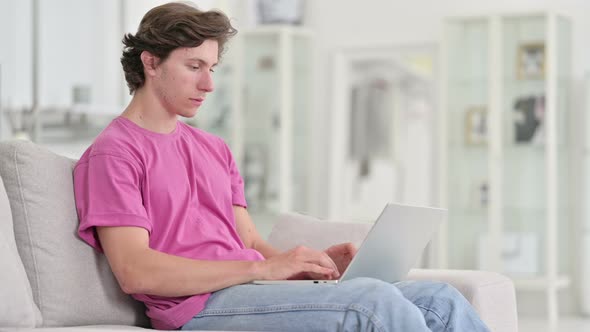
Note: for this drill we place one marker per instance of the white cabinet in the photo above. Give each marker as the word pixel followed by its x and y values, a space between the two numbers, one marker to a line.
pixel 506 153
pixel 275 129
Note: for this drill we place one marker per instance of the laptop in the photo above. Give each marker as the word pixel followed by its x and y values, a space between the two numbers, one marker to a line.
pixel 391 248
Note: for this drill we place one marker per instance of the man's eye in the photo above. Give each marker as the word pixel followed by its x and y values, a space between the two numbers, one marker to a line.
pixel 193 67
pixel 212 70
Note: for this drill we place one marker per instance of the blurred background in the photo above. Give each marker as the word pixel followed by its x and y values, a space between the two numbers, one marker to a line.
pixel 333 108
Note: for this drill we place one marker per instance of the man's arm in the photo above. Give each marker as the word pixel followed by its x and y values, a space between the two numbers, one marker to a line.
pixel 250 235
pixel 142 270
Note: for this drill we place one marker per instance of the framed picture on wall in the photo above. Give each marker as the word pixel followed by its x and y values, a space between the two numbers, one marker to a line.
pixel 476 126
pixel 530 63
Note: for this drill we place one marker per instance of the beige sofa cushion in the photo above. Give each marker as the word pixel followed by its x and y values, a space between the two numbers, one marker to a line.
pixel 292 229
pixel 16 307
pixel 71 283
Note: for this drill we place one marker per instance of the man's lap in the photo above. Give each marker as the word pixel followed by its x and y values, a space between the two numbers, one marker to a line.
pixel 306 306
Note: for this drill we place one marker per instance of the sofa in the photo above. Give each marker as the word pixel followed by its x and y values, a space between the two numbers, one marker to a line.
pixel 52 281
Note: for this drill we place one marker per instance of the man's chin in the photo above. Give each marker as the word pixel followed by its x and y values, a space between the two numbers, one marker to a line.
pixel 189 114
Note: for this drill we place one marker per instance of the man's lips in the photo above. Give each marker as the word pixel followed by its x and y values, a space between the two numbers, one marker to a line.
pixel 197 101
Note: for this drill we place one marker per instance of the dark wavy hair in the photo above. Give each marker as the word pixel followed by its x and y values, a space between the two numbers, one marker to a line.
pixel 167 27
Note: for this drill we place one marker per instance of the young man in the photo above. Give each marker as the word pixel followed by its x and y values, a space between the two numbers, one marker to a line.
pixel 165 203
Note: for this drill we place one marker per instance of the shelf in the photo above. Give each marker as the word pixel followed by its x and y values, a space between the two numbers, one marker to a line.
pixel 540 283
pixel 468 211
pixel 469 81
pixel 508 148
pixel 469 147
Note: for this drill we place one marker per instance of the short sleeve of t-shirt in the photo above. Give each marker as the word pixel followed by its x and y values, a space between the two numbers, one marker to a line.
pixel 108 193
pixel 237 183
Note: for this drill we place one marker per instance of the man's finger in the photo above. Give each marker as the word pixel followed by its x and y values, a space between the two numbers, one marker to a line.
pixel 317 269
pixel 321 258
pixel 328 260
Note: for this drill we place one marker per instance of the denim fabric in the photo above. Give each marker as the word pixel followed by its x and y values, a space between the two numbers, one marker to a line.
pixel 361 304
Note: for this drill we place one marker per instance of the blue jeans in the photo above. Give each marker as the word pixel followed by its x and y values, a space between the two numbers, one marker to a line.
pixel 361 304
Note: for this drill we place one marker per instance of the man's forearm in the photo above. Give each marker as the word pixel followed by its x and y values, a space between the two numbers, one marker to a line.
pixel 265 249
pixel 157 273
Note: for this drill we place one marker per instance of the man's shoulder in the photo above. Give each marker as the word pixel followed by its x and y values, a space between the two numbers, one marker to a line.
pixel 114 140
pixel 204 137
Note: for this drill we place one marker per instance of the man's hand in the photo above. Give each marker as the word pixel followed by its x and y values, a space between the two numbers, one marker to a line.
pixel 300 263
pixel 342 254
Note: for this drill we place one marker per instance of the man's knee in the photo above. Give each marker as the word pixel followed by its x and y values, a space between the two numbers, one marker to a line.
pixel 431 293
pixel 379 296
pixel 384 306
pixel 444 291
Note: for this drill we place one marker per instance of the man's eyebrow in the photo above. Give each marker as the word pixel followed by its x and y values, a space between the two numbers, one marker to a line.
pixel 203 61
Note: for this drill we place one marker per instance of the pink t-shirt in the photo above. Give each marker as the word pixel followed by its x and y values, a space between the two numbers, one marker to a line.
pixel 180 187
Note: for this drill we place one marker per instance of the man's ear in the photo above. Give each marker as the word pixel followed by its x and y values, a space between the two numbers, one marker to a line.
pixel 150 62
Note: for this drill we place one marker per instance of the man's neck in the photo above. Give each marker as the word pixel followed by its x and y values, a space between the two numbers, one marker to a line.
pixel 146 111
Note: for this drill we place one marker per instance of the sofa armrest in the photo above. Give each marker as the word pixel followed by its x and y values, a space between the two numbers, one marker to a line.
pixel 491 294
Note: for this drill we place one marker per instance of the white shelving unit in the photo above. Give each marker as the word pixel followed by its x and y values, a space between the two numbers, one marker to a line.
pixel 505 98
pixel 274 74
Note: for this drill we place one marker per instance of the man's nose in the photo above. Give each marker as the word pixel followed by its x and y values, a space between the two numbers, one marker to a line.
pixel 206 82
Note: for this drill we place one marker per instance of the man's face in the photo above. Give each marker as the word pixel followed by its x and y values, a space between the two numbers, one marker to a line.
pixel 183 80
